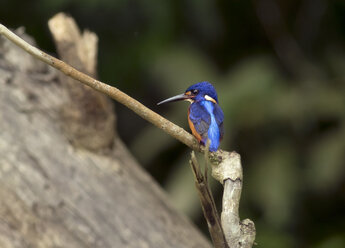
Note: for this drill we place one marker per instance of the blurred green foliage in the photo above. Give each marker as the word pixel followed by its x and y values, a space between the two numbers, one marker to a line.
pixel 279 68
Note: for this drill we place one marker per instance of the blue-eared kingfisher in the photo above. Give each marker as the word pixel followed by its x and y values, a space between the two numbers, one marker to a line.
pixel 205 117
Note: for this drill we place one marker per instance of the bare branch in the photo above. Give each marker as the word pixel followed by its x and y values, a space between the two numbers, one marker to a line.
pixel 157 120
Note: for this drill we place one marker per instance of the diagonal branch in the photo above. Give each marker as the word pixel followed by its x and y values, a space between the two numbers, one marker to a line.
pixel 146 113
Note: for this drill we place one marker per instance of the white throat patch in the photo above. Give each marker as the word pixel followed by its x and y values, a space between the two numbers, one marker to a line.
pixel 208 98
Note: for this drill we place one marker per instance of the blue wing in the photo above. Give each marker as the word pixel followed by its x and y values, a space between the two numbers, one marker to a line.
pixel 200 118
pixel 219 116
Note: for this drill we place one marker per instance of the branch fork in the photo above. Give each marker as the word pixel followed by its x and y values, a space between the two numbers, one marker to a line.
pixel 227 169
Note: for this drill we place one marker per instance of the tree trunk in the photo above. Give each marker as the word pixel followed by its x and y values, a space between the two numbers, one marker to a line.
pixel 54 194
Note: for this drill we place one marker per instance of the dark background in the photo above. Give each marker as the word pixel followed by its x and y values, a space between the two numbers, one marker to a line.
pixel 279 69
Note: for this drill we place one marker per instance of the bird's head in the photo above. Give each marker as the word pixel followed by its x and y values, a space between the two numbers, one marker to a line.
pixel 203 91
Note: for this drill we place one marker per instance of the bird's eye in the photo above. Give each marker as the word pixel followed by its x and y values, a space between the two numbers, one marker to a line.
pixel 195 92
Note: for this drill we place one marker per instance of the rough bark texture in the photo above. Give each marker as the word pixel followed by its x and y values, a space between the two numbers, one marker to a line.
pixel 53 194
pixel 88 117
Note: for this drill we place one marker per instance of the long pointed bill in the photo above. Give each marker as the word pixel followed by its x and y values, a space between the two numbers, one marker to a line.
pixel 175 99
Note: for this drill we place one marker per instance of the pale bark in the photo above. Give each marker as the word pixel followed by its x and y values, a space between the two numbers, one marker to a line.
pixel 238 234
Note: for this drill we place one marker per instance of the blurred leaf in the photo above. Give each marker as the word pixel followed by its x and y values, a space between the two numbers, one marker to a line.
pixel 274 182
pixel 181 67
pixel 248 90
pixel 336 241
pixel 326 161
pixel 272 238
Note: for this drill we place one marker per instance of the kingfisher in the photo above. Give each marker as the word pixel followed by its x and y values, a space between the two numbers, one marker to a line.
pixel 205 117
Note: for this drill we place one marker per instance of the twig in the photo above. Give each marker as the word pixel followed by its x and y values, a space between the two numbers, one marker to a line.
pixel 157 120
pixel 207 203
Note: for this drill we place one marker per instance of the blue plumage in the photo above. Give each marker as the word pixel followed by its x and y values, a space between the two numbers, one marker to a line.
pixel 205 117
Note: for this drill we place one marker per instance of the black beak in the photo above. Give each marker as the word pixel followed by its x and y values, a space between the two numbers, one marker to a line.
pixel 176 98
